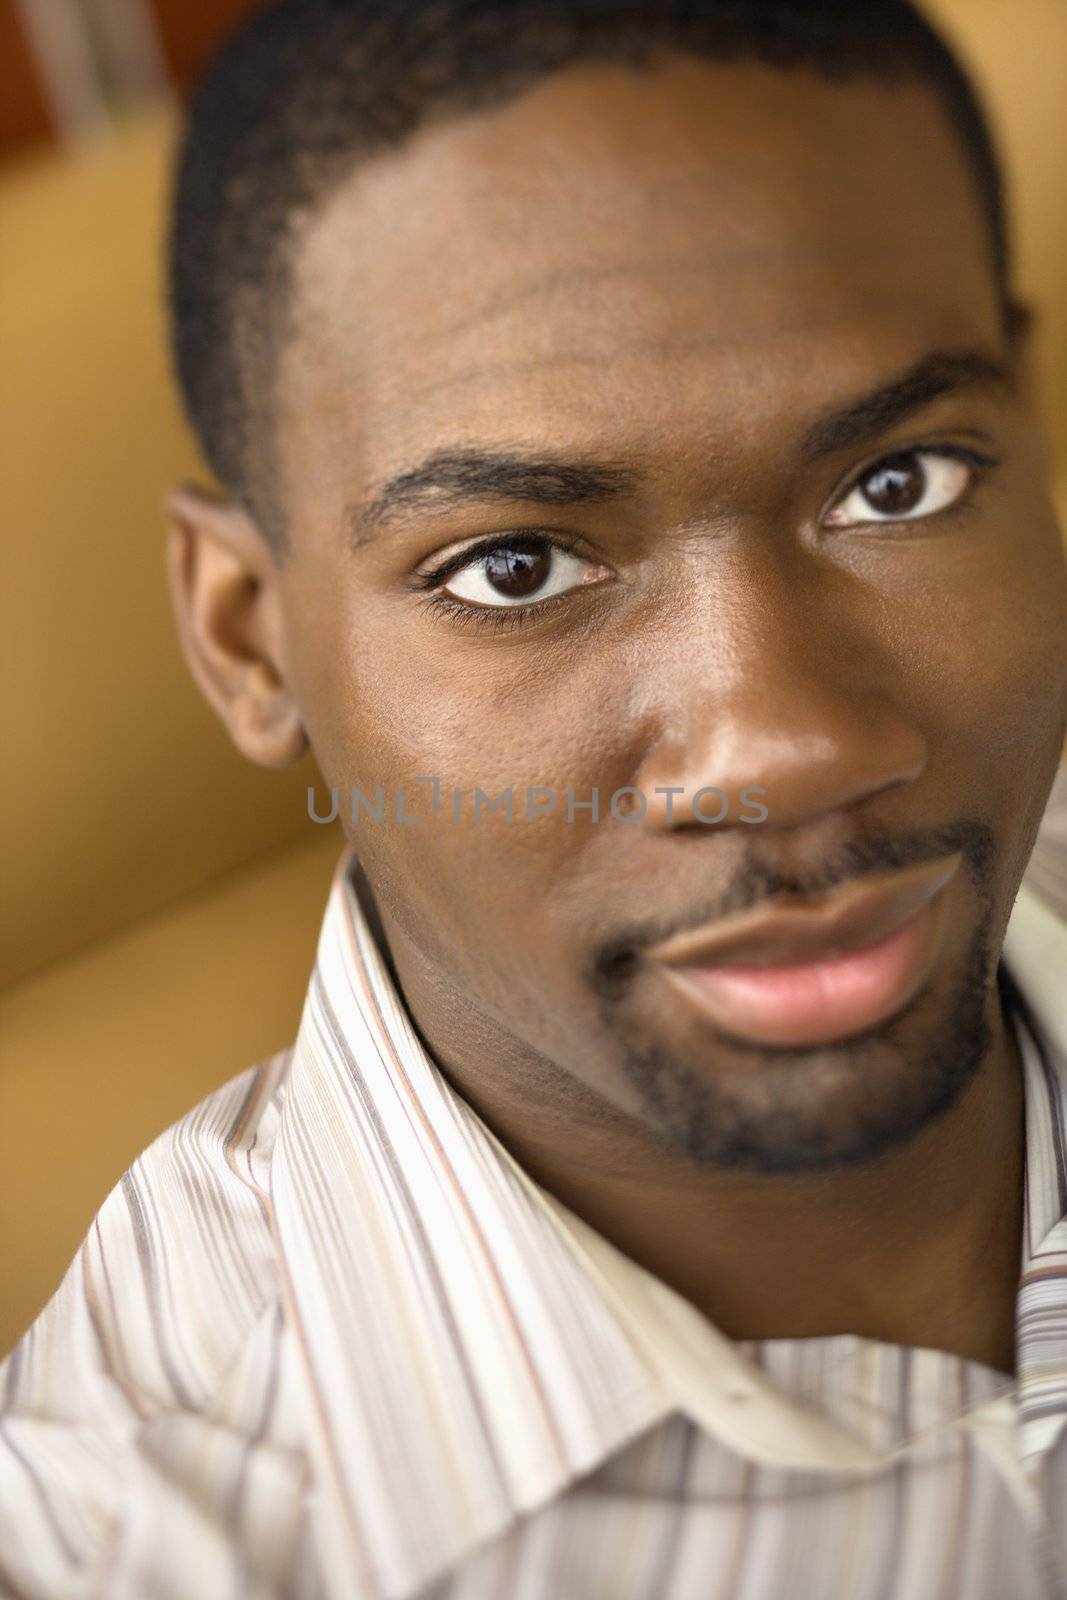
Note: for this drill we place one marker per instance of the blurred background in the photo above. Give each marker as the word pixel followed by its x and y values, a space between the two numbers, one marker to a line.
pixel 162 897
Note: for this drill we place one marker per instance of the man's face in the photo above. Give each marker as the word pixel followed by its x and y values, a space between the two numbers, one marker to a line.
pixel 667 280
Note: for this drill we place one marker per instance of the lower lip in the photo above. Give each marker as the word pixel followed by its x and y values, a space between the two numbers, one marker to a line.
pixel 818 1002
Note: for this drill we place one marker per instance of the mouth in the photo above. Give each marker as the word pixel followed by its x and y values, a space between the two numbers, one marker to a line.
pixel 807 973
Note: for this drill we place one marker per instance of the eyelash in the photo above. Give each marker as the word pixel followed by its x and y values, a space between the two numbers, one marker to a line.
pixel 503 618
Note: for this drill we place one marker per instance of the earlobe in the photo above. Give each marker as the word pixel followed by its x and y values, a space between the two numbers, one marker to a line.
pixel 224 586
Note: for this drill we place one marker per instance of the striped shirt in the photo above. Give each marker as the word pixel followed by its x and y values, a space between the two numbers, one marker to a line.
pixel 326 1339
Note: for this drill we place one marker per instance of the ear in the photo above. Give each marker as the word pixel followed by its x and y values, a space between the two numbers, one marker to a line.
pixel 225 590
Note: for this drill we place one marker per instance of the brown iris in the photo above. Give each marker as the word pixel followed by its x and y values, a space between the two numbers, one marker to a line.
pixel 897 484
pixel 518 570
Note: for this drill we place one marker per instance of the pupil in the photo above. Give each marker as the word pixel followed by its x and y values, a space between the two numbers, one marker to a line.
pixel 896 485
pixel 517 572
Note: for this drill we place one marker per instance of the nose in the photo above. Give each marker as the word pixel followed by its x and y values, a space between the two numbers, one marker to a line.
pixel 786 706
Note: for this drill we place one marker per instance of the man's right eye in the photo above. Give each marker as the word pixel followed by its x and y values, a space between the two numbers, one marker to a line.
pixel 519 570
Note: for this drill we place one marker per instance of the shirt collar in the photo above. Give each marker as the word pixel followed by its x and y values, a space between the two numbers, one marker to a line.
pixel 466 1349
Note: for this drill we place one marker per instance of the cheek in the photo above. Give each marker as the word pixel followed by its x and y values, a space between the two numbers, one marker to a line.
pixel 480 722
pixel 990 642
pixel 489 714
pixel 985 628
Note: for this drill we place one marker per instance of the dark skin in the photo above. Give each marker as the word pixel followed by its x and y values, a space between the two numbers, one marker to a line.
pixel 676 276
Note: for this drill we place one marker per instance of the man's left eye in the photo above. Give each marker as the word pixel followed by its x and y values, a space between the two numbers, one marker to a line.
pixel 904 486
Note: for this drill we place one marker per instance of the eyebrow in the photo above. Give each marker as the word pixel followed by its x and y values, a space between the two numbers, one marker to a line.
pixel 941 372
pixel 451 478
pixel 463 477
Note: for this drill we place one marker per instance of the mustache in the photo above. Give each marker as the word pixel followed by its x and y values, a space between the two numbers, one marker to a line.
pixel 756 881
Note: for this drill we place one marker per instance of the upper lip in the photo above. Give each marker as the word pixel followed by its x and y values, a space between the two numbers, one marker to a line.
pixel 866 910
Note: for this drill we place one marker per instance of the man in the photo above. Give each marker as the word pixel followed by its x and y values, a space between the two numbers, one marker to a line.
pixel 634 497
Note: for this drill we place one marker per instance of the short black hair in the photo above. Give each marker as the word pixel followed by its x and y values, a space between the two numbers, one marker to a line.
pixel 305 89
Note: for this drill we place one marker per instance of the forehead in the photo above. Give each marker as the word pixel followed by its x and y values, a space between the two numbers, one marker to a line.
pixel 630 252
